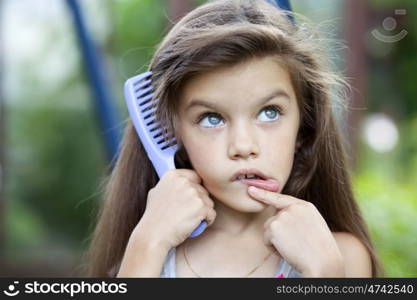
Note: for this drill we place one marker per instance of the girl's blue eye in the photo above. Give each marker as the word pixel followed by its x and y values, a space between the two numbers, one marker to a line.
pixel 271 112
pixel 211 120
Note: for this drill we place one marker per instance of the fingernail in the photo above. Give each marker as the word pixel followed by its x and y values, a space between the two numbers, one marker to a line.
pixel 253 189
pixel 280 276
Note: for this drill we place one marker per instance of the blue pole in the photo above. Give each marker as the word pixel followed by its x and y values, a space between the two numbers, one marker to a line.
pixel 284 4
pixel 106 111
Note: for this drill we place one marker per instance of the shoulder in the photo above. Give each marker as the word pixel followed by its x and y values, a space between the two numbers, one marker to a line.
pixel 356 255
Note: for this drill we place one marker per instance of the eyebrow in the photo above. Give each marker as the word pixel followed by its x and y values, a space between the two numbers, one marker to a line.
pixel 275 94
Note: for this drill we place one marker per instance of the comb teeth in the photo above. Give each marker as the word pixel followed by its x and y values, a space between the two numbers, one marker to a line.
pixel 154 137
pixel 143 91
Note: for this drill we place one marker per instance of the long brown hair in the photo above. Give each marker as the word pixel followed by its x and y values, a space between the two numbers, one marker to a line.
pixel 224 33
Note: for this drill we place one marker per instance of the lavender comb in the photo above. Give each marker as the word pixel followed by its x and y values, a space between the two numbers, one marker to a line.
pixel 142 107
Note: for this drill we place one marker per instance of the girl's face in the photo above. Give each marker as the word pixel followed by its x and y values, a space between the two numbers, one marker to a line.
pixel 239 117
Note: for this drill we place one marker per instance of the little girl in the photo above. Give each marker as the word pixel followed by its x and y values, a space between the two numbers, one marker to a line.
pixel 248 96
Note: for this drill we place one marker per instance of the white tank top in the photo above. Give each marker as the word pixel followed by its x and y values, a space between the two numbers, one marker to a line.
pixel 168 270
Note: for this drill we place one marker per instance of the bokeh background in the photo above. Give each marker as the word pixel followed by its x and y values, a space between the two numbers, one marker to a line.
pixel 54 144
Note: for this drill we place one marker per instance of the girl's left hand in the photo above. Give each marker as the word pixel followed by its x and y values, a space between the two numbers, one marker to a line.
pixel 301 235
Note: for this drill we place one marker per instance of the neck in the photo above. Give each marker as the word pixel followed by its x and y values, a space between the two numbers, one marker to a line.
pixel 232 245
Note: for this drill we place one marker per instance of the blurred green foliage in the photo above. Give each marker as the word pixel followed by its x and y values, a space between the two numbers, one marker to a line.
pixel 387 194
pixel 138 27
pixel 390 209
pixel 57 161
pixel 386 183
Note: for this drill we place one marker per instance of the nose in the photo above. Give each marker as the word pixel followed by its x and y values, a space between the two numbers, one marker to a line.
pixel 242 142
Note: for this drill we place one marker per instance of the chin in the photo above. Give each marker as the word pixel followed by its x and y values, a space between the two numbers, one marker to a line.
pixel 241 203
pixel 254 207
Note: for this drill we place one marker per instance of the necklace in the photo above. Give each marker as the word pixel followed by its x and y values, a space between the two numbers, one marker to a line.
pixel 247 275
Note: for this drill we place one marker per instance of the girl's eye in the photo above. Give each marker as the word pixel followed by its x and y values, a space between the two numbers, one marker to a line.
pixel 272 113
pixel 211 120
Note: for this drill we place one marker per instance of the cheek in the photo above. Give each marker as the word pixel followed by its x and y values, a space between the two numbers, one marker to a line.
pixel 281 148
pixel 197 156
pixel 201 155
pixel 207 165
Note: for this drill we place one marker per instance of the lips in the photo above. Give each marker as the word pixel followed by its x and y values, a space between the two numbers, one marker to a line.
pixel 248 171
pixel 269 185
pixel 264 183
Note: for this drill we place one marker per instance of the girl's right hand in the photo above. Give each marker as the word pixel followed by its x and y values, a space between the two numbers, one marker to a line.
pixel 175 207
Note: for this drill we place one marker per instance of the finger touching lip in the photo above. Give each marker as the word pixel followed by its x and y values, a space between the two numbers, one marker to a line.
pixel 269 184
